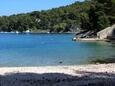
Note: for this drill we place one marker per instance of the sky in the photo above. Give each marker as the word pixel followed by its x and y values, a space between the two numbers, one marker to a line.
pixel 9 7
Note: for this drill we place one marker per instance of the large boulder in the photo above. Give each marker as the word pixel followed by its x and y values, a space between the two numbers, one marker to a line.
pixel 107 33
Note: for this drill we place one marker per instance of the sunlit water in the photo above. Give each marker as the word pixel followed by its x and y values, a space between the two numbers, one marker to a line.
pixel 49 49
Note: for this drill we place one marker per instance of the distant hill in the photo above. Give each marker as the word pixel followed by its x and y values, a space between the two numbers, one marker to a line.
pixel 88 15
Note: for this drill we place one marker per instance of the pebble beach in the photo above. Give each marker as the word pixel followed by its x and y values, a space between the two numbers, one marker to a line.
pixel 76 75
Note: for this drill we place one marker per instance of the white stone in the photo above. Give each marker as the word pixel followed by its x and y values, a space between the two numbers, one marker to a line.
pixel 108 32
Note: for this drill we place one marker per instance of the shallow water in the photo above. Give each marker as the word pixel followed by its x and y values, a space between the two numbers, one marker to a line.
pixel 49 49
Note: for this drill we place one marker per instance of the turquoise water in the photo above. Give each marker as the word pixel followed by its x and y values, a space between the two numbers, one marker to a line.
pixel 49 49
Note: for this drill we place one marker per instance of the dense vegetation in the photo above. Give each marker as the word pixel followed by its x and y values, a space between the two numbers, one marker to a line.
pixel 88 15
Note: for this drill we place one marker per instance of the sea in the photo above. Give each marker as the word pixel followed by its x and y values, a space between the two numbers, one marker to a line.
pixel 42 49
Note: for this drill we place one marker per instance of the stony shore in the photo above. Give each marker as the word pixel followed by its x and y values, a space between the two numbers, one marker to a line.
pixel 72 70
pixel 88 39
pixel 80 75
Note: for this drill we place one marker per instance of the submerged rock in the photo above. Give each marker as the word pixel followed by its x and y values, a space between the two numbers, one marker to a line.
pixel 60 62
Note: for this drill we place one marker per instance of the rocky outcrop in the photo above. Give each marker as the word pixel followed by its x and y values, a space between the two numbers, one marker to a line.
pixel 103 35
pixel 85 36
pixel 108 33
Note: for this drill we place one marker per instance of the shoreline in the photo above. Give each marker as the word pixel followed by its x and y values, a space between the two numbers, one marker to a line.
pixel 39 32
pixel 76 75
pixel 61 69
pixel 88 39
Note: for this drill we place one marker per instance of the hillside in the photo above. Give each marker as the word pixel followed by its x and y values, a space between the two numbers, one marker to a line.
pixel 88 15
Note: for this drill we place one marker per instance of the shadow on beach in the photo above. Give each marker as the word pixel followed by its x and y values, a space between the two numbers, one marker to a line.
pixel 58 79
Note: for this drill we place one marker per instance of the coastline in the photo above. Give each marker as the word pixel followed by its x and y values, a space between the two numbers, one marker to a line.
pixel 89 39
pixel 39 32
pixel 76 75
pixel 60 69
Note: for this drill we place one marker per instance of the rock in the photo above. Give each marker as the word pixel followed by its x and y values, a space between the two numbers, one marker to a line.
pixel 86 34
pixel 74 39
pixel 107 33
pixel 60 62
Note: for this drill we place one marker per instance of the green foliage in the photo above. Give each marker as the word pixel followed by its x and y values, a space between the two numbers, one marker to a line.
pixel 101 14
pixel 60 27
pixel 88 15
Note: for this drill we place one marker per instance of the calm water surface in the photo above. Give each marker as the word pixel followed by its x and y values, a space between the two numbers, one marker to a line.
pixel 49 49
